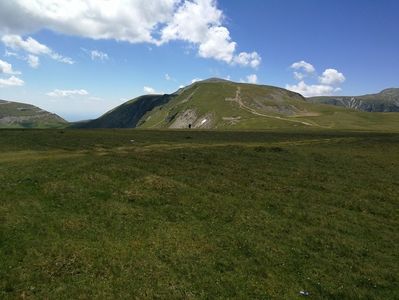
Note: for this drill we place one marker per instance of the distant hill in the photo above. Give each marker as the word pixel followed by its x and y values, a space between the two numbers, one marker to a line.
pixel 21 115
pixel 221 104
pixel 385 101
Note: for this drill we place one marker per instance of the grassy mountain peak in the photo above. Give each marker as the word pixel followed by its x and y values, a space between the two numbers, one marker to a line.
pixel 221 104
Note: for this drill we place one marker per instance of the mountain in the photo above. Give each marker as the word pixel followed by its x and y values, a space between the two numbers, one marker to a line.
pixel 385 101
pixel 127 115
pixel 221 104
pixel 21 115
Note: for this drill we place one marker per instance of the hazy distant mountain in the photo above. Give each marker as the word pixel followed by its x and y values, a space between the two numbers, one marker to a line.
pixel 385 101
pixel 21 115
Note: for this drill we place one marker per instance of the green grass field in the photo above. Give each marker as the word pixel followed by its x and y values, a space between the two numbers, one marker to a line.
pixel 139 214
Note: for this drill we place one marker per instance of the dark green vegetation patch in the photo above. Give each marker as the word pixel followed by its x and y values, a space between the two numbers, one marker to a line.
pixel 188 215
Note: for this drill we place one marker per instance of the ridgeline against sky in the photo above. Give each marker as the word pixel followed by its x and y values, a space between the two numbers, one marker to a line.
pixel 80 58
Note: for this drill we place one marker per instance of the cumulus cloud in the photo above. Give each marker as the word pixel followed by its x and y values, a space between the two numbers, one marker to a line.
pixel 11 81
pixel 198 22
pixel 310 90
pixel 326 85
pixel 303 65
pixel 168 77
pixel 32 46
pixel 67 93
pixel 149 90
pixel 218 45
pixel 302 69
pixel 248 59
pixel 122 20
pixel 6 68
pixel 332 77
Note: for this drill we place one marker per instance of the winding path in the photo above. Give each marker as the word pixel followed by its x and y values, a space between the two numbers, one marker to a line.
pixel 243 106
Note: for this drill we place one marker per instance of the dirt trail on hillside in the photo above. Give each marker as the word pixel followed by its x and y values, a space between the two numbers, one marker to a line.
pixel 243 106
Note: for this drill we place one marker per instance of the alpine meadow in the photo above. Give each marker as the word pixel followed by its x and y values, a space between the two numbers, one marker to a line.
pixel 126 174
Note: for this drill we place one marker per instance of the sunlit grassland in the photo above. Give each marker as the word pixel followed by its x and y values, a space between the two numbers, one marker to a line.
pixel 197 214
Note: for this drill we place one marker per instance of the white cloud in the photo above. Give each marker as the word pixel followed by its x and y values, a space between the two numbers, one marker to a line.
pixel 122 20
pixel 311 90
pixel 196 80
pixel 6 68
pixel 67 93
pixel 98 55
pixel 253 79
pixel 331 77
pixel 299 75
pixel 218 45
pixel 303 69
pixel 303 65
pixel 192 21
pixel 248 59
pixel 336 90
pixel 62 59
pixel 30 45
pixel 12 81
pixel 198 22
pixel 149 90
pixel 33 61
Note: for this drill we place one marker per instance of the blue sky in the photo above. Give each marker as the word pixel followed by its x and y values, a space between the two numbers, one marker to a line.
pixel 83 57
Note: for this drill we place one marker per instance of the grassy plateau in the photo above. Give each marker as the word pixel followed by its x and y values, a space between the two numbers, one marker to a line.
pixel 152 214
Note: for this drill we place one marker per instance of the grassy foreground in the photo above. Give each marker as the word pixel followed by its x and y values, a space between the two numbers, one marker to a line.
pixel 191 215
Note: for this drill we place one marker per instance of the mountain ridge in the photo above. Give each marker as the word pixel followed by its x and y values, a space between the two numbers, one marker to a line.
pixel 385 101
pixel 22 115
pixel 221 104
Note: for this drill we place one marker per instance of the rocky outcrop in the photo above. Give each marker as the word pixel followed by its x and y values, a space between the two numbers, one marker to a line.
pixel 386 101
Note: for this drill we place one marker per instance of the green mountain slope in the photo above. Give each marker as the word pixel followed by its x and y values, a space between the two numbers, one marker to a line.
pixel 385 101
pixel 221 104
pixel 127 115
pixel 21 115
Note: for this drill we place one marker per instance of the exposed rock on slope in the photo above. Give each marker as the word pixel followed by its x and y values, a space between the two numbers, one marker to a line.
pixel 221 104
pixel 386 101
